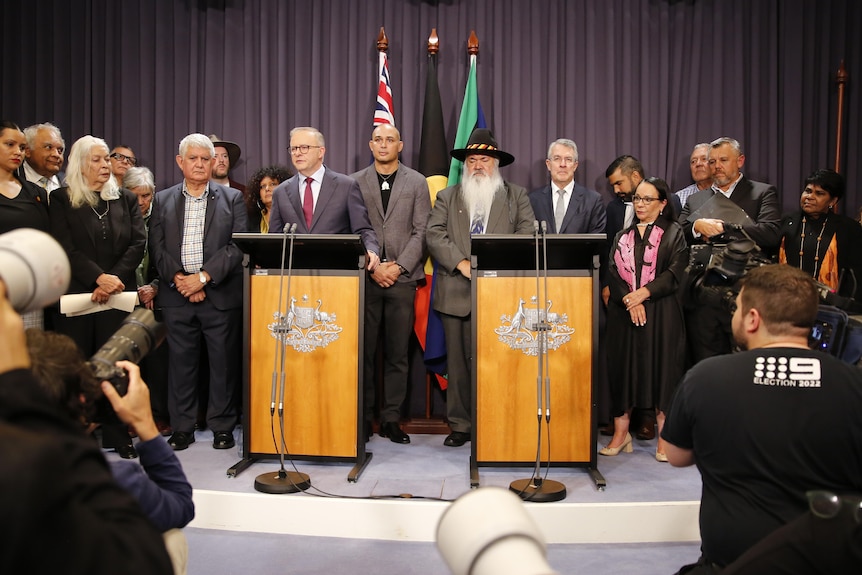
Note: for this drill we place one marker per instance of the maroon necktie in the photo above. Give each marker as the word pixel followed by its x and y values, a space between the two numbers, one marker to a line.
pixel 308 203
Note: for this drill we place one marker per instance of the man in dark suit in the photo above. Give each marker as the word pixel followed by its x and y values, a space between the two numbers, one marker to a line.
pixel 398 206
pixel 200 291
pixel 708 324
pixel 319 200
pixel 482 203
pixel 45 147
pixel 567 206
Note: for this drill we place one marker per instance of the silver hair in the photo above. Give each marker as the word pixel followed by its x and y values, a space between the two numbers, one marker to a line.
pixel 730 141
pixel 314 132
pixel 701 145
pixel 79 156
pixel 196 141
pixel 30 132
pixel 139 177
pixel 564 142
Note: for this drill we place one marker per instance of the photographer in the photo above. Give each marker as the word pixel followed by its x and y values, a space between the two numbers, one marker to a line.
pixel 765 426
pixel 65 512
pixel 158 483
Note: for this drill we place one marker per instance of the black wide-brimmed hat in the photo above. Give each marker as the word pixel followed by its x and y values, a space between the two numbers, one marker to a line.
pixel 233 150
pixel 482 142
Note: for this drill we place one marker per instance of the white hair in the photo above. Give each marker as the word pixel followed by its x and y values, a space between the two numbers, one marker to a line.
pixel 196 141
pixel 79 157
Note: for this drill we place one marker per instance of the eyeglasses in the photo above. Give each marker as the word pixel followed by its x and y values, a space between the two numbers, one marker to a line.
pixel 124 158
pixel 826 505
pixel 294 150
pixel 642 200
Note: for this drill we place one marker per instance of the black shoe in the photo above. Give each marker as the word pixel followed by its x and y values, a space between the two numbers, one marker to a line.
pixel 456 439
pixel 223 440
pixel 181 440
pixel 127 451
pixel 391 430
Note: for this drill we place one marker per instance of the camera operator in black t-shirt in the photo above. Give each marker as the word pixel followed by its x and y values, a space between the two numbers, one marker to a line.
pixel 764 427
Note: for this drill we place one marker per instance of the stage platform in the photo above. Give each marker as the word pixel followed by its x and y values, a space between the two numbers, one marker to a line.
pixel 405 488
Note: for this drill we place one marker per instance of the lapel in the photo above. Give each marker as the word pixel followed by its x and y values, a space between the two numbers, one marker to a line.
pixel 461 224
pixel 372 198
pixel 327 192
pixel 180 211
pixel 212 202
pixel 575 203
pixel 395 193
pixel 497 216
pixel 295 199
pixel 117 219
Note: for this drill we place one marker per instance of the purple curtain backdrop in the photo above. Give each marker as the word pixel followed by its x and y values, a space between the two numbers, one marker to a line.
pixel 646 77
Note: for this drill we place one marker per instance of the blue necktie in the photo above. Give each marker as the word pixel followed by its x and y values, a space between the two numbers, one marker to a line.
pixel 477 227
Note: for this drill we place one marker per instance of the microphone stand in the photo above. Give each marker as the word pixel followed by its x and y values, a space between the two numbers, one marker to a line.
pixel 283 481
pixel 537 488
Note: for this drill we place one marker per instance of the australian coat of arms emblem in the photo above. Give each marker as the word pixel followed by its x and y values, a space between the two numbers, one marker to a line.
pixel 304 327
pixel 521 329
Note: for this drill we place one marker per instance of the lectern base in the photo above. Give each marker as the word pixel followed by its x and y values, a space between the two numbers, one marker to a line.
pixel 538 490
pixel 282 482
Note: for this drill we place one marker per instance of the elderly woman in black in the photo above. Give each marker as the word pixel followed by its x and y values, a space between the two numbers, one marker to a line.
pixel 101 228
pixel 821 242
pixel 645 325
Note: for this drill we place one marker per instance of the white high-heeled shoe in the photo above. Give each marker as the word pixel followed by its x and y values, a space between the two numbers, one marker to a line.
pixel 626 447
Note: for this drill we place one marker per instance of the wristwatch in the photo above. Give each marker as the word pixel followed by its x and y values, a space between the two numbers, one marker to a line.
pixel 203 277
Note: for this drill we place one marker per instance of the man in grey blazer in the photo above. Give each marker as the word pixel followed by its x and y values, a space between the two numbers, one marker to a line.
pixel 582 210
pixel 482 203
pixel 398 205
pixel 200 291
pixel 708 326
pixel 319 200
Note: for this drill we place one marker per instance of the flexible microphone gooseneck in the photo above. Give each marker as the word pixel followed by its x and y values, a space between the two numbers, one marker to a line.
pixel 538 488
pixel 283 481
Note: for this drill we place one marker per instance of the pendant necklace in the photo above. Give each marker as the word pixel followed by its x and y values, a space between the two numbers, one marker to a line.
pixel 816 249
pixel 385 184
pixel 102 215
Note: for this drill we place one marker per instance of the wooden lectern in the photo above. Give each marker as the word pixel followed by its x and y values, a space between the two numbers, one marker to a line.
pixel 506 314
pixel 322 303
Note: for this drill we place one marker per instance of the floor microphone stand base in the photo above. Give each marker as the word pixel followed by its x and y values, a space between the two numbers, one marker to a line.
pixel 282 482
pixel 538 490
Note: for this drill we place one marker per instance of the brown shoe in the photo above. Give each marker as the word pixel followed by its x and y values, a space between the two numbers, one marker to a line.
pixel 645 432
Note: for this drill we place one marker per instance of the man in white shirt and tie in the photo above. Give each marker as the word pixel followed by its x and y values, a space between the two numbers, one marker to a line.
pixel 567 206
pixel 45 148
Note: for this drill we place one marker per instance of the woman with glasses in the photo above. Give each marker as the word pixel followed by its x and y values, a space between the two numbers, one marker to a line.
pixel 101 228
pixel 258 197
pixel 645 325
pixel 822 242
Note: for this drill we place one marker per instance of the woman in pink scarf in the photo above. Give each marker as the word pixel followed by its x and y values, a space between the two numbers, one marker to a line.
pixel 645 325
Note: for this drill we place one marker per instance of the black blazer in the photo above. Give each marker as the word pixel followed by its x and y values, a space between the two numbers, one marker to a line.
pixel 225 216
pixel 758 200
pixel 584 215
pixel 76 229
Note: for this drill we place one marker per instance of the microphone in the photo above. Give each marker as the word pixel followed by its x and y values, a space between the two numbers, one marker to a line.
pixel 283 481
pixel 535 226
pixel 544 229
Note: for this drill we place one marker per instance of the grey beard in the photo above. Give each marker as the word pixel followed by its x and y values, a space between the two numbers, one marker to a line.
pixel 479 193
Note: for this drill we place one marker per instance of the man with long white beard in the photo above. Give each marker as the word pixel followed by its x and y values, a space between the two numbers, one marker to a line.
pixel 482 203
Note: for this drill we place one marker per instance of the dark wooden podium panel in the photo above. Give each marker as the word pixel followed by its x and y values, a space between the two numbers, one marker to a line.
pixel 322 382
pixel 506 398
